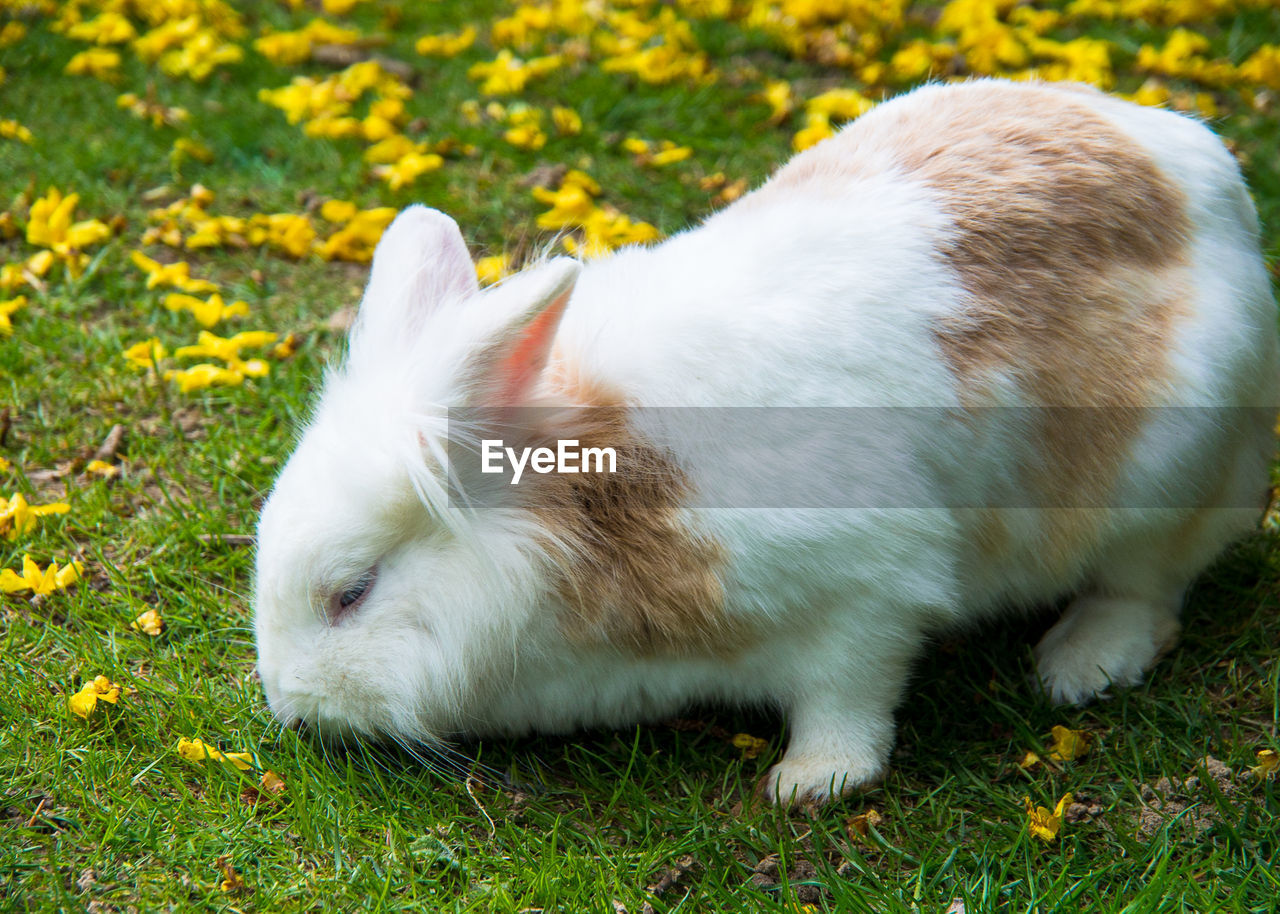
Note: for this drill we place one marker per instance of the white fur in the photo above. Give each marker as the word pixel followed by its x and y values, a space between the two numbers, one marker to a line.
pixel 811 299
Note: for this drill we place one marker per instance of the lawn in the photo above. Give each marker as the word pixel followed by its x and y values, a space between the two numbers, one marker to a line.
pixel 266 146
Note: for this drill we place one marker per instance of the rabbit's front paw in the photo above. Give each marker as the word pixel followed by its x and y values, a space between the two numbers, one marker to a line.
pixel 1103 641
pixel 813 780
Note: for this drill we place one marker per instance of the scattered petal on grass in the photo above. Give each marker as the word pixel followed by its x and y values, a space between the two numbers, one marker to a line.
pixel 751 746
pixel 39 582
pixel 202 376
pixel 99 62
pixel 447 44
pixel 839 104
pixel 149 623
pixel 490 269
pixel 338 211
pixel 288 232
pixel 816 129
pixel 250 368
pixel 1029 761
pixel 12 130
pixel 159 115
pixel 106 28
pixel 567 121
pixel 165 36
pixel 1268 765
pixel 663 153
pixel 100 688
pixel 356 240
pixel 18 517
pixel 655 49
pixel 102 468
pixel 231 880
pixel 858 826
pixel 408 169
pixel 269 785
pixel 286 347
pixel 186 148
pixel 339 7
pixel 200 55
pixel 177 275
pixel 1262 67
pixel 385 151
pixel 209 312
pixel 291 48
pixel 571 204
pixel 1044 824
pixel 1068 745
pixel 780 99
pixel 11 33
pixel 49 225
pixel 38 264
pixel 226 348
pixel 526 127
pixel 7 308
pixel 507 74
pixel 194 750
pixel 146 354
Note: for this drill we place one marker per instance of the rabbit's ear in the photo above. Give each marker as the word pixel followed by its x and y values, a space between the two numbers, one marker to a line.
pixel 523 314
pixel 420 264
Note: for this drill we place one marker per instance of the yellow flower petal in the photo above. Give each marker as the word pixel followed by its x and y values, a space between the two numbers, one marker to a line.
pixel 83 702
pixel 101 468
pixel 1068 745
pixel 861 825
pixel 195 750
pixel 149 623
pixel 146 353
pixel 1268 764
pixel 490 269
pixel 100 688
pixel 751 746
pixel 1042 823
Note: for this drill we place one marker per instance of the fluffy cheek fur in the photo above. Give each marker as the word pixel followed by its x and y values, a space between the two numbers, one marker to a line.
pixel 436 636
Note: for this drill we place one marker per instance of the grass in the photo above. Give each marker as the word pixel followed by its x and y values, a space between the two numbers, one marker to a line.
pixel 104 815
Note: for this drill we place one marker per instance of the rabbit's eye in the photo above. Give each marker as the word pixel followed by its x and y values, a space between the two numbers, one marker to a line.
pixel 353 594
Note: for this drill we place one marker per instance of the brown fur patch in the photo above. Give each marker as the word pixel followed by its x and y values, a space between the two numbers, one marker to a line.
pixel 1071 246
pixel 629 570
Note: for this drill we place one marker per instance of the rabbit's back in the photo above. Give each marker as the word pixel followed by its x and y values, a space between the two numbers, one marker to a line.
pixel 1077 276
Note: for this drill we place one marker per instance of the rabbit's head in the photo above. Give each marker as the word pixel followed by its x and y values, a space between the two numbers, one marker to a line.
pixel 380 610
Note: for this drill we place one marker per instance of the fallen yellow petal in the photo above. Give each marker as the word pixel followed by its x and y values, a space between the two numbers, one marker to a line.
pixel 100 688
pixel 1268 764
pixel 83 702
pixel 102 468
pixel 751 746
pixel 860 825
pixel 195 750
pixel 1042 823
pixel 1068 745
pixel 149 623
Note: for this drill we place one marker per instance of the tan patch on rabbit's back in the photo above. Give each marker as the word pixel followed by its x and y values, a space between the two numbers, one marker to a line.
pixel 1071 247
pixel 628 568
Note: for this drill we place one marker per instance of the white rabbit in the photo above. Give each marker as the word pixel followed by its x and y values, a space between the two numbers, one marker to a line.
pixel 1039 267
